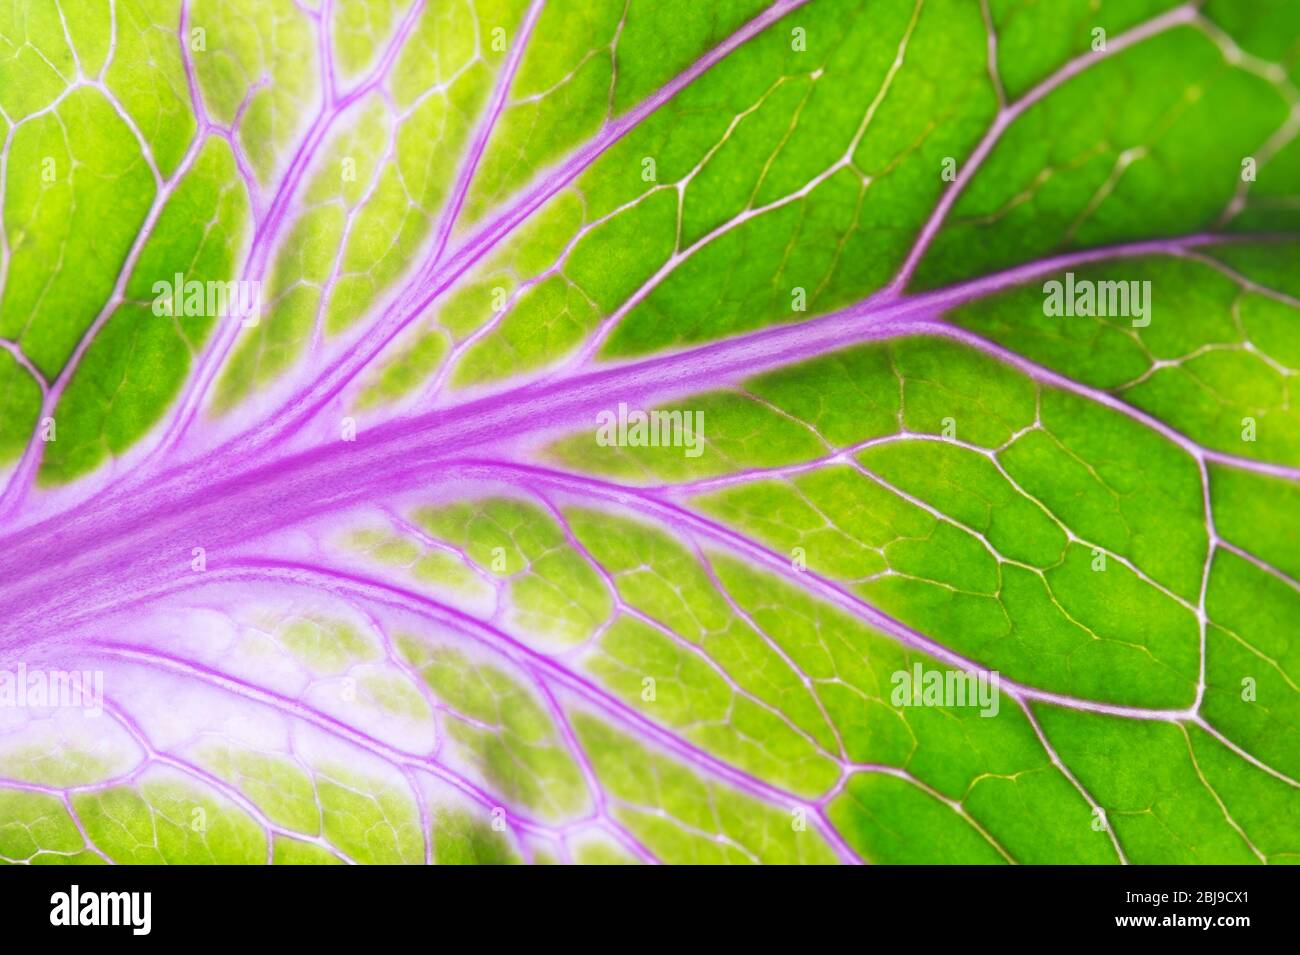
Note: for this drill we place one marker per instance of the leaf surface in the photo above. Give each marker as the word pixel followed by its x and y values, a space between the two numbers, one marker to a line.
pixel 327 328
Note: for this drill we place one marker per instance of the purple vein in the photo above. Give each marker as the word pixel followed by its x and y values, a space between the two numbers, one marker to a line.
pixel 1009 114
pixel 21 480
pixel 413 301
pixel 594 789
pixel 155 659
pixel 356 586
pixel 512 648
pixel 689 369
pixel 524 475
pixel 217 498
pixel 485 130
pixel 271 228
pixel 153 756
pixel 16 352
pixel 1047 376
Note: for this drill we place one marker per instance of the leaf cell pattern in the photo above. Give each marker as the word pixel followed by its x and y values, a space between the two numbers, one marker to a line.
pixel 346 573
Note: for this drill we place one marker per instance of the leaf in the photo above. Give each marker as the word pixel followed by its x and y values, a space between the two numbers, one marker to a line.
pixel 498 431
